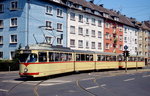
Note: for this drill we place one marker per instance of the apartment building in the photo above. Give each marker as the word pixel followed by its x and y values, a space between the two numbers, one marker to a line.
pixel 26 22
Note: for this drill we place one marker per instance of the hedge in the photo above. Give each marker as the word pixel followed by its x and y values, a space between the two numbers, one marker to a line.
pixel 6 65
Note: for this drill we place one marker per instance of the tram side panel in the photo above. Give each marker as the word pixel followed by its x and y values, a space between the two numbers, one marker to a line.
pixel 106 62
pixel 84 62
pixel 132 62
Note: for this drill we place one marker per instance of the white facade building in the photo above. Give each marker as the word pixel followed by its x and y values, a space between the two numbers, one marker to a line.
pixel 85 31
pixel 131 39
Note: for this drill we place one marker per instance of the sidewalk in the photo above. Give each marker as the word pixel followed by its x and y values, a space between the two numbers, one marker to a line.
pixel 8 72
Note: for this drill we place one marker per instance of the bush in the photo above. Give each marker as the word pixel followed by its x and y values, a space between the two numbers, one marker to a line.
pixel 6 65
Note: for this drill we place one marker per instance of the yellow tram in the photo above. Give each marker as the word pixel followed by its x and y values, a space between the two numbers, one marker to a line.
pixel 44 60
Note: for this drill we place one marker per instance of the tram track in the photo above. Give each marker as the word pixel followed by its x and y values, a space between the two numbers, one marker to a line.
pixel 11 89
pixel 35 89
pixel 84 89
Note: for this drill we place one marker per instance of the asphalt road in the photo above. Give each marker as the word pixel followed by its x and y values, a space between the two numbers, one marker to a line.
pixel 103 83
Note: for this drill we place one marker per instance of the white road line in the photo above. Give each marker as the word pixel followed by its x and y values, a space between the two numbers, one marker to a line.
pixel 11 81
pixel 91 87
pixel 129 79
pixel 103 85
pixel 3 90
pixel 87 79
pixel 146 76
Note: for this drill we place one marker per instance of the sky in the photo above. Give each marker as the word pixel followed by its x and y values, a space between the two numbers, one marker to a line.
pixel 139 9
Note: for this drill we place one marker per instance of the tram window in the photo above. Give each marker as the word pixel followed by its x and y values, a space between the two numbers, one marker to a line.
pixel 28 58
pixel 87 57
pixel 98 57
pixel 107 58
pixel 114 58
pixel 57 57
pixel 91 58
pixel 77 57
pixel 119 58
pixel 135 59
pixel 32 58
pixel 82 57
pixel 142 59
pixel 42 56
pixel 103 58
pixel 63 56
pixel 130 59
pixel 51 56
pixel 69 57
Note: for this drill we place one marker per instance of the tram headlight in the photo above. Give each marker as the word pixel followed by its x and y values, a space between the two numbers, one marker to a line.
pixel 25 70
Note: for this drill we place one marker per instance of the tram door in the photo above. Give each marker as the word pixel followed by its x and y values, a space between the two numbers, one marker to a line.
pixel 145 61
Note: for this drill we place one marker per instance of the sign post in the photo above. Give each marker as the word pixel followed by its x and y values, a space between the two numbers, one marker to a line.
pixel 126 54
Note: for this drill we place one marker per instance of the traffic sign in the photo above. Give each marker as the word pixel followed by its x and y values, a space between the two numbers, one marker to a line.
pixel 125 47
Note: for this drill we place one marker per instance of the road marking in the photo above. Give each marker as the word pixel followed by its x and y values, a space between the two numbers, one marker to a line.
pixel 146 76
pixel 3 90
pixel 11 81
pixel 50 83
pixel 91 87
pixel 87 79
pixel 103 85
pixel 129 79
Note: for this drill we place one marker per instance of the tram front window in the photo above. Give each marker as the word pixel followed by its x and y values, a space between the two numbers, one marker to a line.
pixel 27 58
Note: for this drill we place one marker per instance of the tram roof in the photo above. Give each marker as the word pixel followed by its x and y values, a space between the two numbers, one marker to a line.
pixel 48 47
pixel 64 49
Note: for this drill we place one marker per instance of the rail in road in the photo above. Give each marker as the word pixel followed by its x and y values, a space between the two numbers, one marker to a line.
pixel 90 78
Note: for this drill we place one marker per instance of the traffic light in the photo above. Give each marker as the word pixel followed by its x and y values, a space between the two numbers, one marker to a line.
pixel 127 53
pixel 124 53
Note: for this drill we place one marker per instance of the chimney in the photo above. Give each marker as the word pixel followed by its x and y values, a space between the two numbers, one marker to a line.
pixel 101 5
pixel 91 1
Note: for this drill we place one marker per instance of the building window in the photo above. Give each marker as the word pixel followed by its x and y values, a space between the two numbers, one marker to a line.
pixel 93 33
pixel 48 25
pixel 140 45
pixel 80 44
pixel 99 34
pixel 72 43
pixel 12 54
pixel 93 45
pixel 107 35
pixel 107 25
pixel 59 27
pixel 99 45
pixel 93 21
pixel 1 55
pixel 48 39
pixel 80 31
pixel 59 13
pixel 120 37
pixel 1 8
pixel 135 41
pixel 1 39
pixel 72 29
pixel 14 5
pixel 107 45
pixel 59 41
pixel 87 20
pixel 121 47
pixel 87 32
pixel 1 24
pixel 72 16
pixel 13 22
pixel 13 39
pixel 49 10
pixel 81 18
pixel 99 23
pixel 87 45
